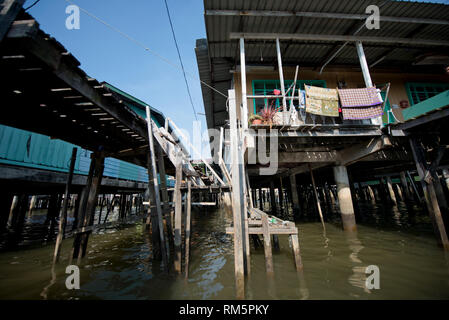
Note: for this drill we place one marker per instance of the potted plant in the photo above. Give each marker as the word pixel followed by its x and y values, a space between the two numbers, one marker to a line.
pixel 267 114
pixel 255 119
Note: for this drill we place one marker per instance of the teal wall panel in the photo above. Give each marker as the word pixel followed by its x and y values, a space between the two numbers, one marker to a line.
pixel 28 149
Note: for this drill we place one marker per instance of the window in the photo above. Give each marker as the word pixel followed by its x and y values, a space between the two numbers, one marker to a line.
pixel 418 92
pixel 266 87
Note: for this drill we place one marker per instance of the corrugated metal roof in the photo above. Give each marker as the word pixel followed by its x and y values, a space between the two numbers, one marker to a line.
pixel 313 53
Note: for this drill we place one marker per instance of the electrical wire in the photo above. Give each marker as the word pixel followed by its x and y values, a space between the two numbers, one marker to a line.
pixel 35 2
pixel 140 44
pixel 180 59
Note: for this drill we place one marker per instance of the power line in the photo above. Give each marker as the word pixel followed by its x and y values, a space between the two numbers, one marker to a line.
pixel 140 44
pixel 180 59
pixel 35 2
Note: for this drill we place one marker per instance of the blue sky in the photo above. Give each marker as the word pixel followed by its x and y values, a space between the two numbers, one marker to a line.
pixel 107 56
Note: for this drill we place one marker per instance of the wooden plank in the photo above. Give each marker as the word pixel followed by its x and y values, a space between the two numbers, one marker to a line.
pixel 165 199
pixel 63 220
pixel 267 246
pixel 155 183
pixel 178 213
pixel 8 13
pixel 430 194
pixel 237 200
pixel 317 199
pixel 188 228
pixel 271 230
pixel 296 252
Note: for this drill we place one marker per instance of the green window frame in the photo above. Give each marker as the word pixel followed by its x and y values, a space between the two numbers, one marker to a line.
pixel 266 87
pixel 419 91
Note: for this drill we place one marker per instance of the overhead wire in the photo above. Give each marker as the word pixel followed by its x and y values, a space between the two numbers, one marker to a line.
pixel 180 59
pixel 140 44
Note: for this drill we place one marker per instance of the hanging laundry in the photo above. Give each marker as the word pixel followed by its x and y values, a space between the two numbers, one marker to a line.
pixel 361 113
pixel 321 101
pixel 361 103
pixel 362 97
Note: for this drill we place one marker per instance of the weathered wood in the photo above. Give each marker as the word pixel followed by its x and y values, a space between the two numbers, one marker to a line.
pixel 237 201
pixel 8 13
pixel 91 203
pixel 155 183
pixel 317 199
pixel 267 245
pixel 188 228
pixel 296 251
pixel 430 194
pixel 273 199
pixel 178 214
pixel 165 199
pixel 63 220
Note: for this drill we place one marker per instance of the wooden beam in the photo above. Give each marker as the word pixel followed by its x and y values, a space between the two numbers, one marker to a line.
pixel 334 38
pixel 353 154
pixel 155 183
pixel 63 219
pixel 8 13
pixel 267 246
pixel 178 213
pixel 430 194
pixel 321 15
pixel 188 227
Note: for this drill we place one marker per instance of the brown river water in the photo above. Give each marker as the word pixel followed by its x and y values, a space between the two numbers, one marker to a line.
pixel 399 240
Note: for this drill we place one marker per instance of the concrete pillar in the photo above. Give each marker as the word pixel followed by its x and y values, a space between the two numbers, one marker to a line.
pixel 295 198
pixel 390 190
pixel 345 198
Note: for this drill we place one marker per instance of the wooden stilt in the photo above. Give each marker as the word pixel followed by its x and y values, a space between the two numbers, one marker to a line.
pixel 178 213
pixel 98 159
pixel 296 251
pixel 238 201
pixel 317 200
pixel 63 220
pixel 155 184
pixel 391 191
pixel 188 227
pixel 276 242
pixel 267 246
pixel 429 192
pixel 165 199
pixel 5 206
pixel 273 199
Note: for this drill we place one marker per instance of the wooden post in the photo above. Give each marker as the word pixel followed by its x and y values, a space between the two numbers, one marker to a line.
pixel 273 199
pixel 261 199
pixel 429 192
pixel 296 251
pixel 237 201
pixel 317 199
pixel 63 220
pixel 98 159
pixel 188 227
pixel 405 188
pixel 281 198
pixel 156 188
pixel 267 246
pixel 32 206
pixel 178 213
pixel 18 213
pixel 5 206
pixel 295 197
pixel 165 199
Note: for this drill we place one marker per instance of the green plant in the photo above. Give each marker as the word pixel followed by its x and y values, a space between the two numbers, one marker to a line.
pixel 255 117
pixel 267 113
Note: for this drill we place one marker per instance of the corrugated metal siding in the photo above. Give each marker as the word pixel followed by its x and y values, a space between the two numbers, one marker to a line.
pixel 28 149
